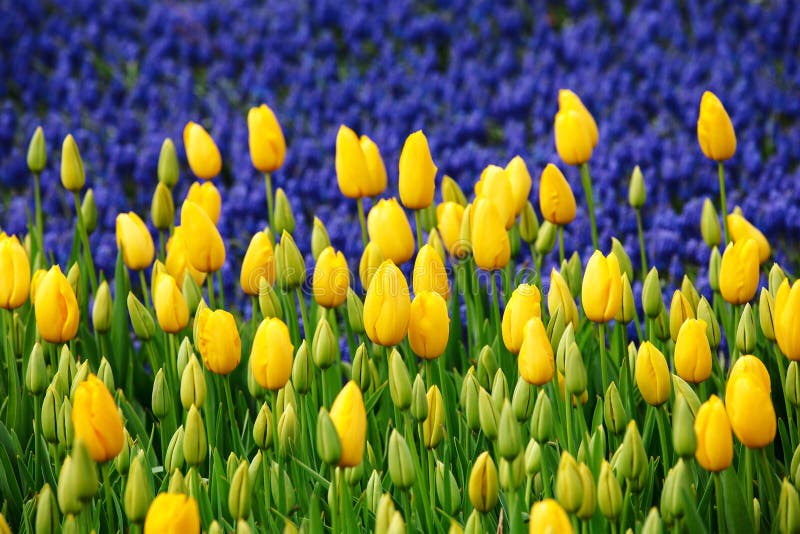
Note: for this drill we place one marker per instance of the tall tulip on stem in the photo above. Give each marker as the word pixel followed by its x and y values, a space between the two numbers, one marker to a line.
pixel 417 177
pixel 556 202
pixel 267 148
pixel 601 295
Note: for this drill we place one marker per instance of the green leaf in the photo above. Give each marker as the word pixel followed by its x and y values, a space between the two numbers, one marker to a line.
pixel 737 512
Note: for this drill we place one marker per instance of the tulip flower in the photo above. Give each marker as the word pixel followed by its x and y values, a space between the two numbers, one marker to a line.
pixel 693 352
pixel 56 308
pixel 573 137
pixel 73 176
pixel 177 261
pixel 680 310
pixel 741 229
pixel 371 260
pixel 134 241
pixel 387 306
pixel 349 416
pixel 96 421
pixel 449 216
pixel 556 201
pixel 417 173
pixel 548 516
pixel 495 185
pixel 377 170
pixel 738 273
pixel 204 246
pixel 652 375
pixel 388 227
pixel 172 311
pixel 524 304
pixel 172 513
pixel 429 273
pixel 482 487
pixel 560 295
pixel 36 279
pixel 714 129
pixel 601 293
pixel 750 409
pixel 265 137
pixel 490 245
pixel 217 339
pixel 569 100
pixel 521 182
pixel 206 195
pixel 536 362
pixel 786 318
pixel 429 325
pixel 714 439
pixel 331 279
pixel 15 273
pixel 258 263
pixel 201 151
pixel 359 167
pixel 272 355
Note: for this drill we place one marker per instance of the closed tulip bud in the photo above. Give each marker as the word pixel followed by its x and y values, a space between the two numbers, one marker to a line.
pixel 56 308
pixel 399 381
pixel 495 186
pixel 324 345
pixel 218 341
pixel 766 305
pixel 329 447
pixel 373 492
pixel 68 499
pixel 265 137
pixel 575 377
pixel 271 356
pixel 624 261
pixel 168 170
pixel 738 273
pixel 331 279
pixel 193 385
pixel 452 192
pixel 546 238
pixel 487 414
pixel 447 491
pixel 569 487
pixel 301 370
pixel 349 417
pixel 204 247
pixel 429 325
pixel 535 361
pixel 633 460
pixel 161 398
pixel 788 508
pixel 184 353
pixel 714 440
pixel 419 400
pixel 239 492
pixel 177 261
pixel 706 314
pixel 389 229
pixel 690 293
pixel 746 332
pixel 96 420
pixel 559 295
pixel 37 156
pixel 376 182
pixel 588 503
pixel 450 216
pixel 528 224
pixel 384 514
pixel 464 247
pixel 693 352
pixel 548 516
pixel 201 151
pixel 172 311
pixel 487 367
pixel 195 442
pixel 627 308
pixel 573 136
pixel 433 426
pixel 684 438
pixel 74 279
pixel 512 473
pixel 601 294
pixel 50 409
pixel 122 462
pixel 509 440
pixel 286 396
pixel 387 306
pixel 750 409
pixel 73 177
pixel 138 494
pixel 268 301
pixel 102 308
pixel 174 458
pixel 652 374
pixel 490 245
pixel 319 238
pixel 429 273
pixel 162 207
pixel 80 375
pixel 472 403
pixel 524 304
pixel 556 201
pixel 609 493
pixel 36 371
pixel 401 465
pixel 651 294
pixel 792 385
pixel 776 278
pixel 262 428
pixel 786 314
pixel 676 492
pixel 417 172
pixel 289 264
pixel 207 196
pixel 637 191
pixel 47 516
pixel 683 389
pixel 542 420
pixel 352 170
pixel 709 224
pixel 714 263
pixel 522 400
pixel 521 183
pixel 714 129
pixel 172 513
pixel 483 484
pixel 499 390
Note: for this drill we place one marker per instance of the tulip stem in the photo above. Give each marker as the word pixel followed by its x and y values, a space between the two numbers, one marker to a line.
pixel 210 284
pixel 561 244
pixel 568 420
pixel 767 482
pixel 661 414
pixel 418 224
pixel 720 495
pixel 601 328
pixel 7 330
pixel 748 474
pixel 642 251
pixel 145 292
pixel 37 199
pixel 723 202
pixel 108 496
pixel 360 204
pixel 221 289
pixel 162 248
pixel 87 252
pixel 303 314
pixel 270 214
pixel 237 438
pixel 587 187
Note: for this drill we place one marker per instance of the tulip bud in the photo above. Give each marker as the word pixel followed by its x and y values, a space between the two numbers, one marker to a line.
pixel 522 400
pixel 614 415
pixel 609 493
pixel 765 315
pixel 709 225
pixel 174 458
pixel 162 208
pixel 652 523
pixel 319 238
pixel 191 292
pixel 533 457
pixel 193 384
pixel 651 294
pixel 288 430
pixel 373 492
pixel 637 192
pixel 50 409
pixel 684 439
pixel 487 367
pixel 788 508
pixel 36 371
pixel 483 484
pixel 677 486
pixel 792 386
pixel 83 480
pixel 706 314
pixel 652 374
pixel 168 171
pixel 47 521
pixel 101 309
pixel 289 264
pixel 714 263
pixel 633 460
pixel 746 334
pixel 679 311
pixel 302 373
pixel 464 247
pixel 37 157
pixel 73 176
pixel 471 402
pixel 546 238
pixel 419 400
pixel 141 319
pixel 627 309
pixel 417 172
pixel 512 472
pixel 509 440
pixel 161 398
pixel 569 487
pixel 588 503
pixel 239 493
pixel 195 442
pixel 137 490
pixel 451 192
pixel 528 224
pixel 355 312
pixel 89 212
pixel 536 362
pixel 268 301
pixel 399 381
pixel 68 499
pixel 556 200
pixel 184 353
pixel 433 426
pixel 474 523
pixel 575 377
pixel 329 447
pixel 499 390
pixel 384 514
pixel 286 396
pixel 447 492
pixel 625 265
pixel 487 414
pixel 64 427
pixel 324 345
pixel 542 420
pixel 401 465
pixel 74 279
pixel 567 339
pixel 284 218
pixel 715 132
pixel 775 279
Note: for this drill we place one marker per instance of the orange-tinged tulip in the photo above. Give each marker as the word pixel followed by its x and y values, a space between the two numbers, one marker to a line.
pixel 548 517
pixel 201 151
pixel 429 325
pixel 714 439
pixel 573 138
pixel 525 303
pixel 429 272
pixel 786 317
pixel 172 513
pixel 218 341
pixel 536 363
pixel 172 311
pixel 417 173
pixel 449 216
pixel 331 278
pixel 556 201
pixel 56 308
pixel 204 246
pixel 496 186
pixel 15 273
pixel 349 416
pixel 272 355
pixel 387 306
pixel 134 241
pixel 560 295
pixel 490 245
pixel 738 273
pixel 693 352
pixel 377 170
pixel 741 229
pixel 206 195
pixel 267 144
pixel 258 263
pixel 520 182
pixel 36 279
pixel 96 421
pixel 569 100
pixel 652 375
pixel 352 172
pixel 750 409
pixel 177 261
pixel 388 227
pixel 601 293
pixel 714 129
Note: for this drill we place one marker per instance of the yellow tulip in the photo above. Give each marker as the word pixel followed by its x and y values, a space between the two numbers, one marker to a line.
pixel 272 355
pixel 388 227
pixel 172 311
pixel 449 216
pixel 750 409
pixel 417 173
pixel 680 310
pixel 524 304
pixel 693 352
pixel 177 261
pixel 206 195
pixel 569 100
pixel 560 295
pixel 786 318
pixel 490 245
pixel 536 363
pixel 258 263
pixel 201 151
pixel 429 272
pixel 738 273
pixel 73 176
pixel 652 375
pixel 352 172
pixel 349 416
pixel 521 182
pixel 331 278
pixel 15 273
pixel 218 341
pixel 714 129
pixel 496 186
pixel 36 279
pixel 429 325
pixel 573 138
pixel 601 293
pixel 371 259
pixel 387 306
pixel 134 241
pixel 96 421
pixel 740 229
pixel 556 201
pixel 56 308
pixel 267 144
pixel 547 517
pixel 752 366
pixel 714 439
pixel 172 513
pixel 377 170
pixel 204 246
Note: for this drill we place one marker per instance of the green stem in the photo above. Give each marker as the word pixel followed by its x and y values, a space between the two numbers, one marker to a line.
pixel 221 289
pixel 37 199
pixel 87 252
pixel 545 474
pixel 748 474
pixel 662 433
pixel 145 292
pixel 237 437
pixel 418 224
pixel 601 330
pixel 11 364
pixel 767 495
pixel 210 283
pixel 720 495
pixel 642 251
pixel 270 213
pixel 360 205
pixel 108 496
pixel 587 187
pixel 723 202
pixel 304 315
pixel 162 245
pixel 568 420
pixel 560 244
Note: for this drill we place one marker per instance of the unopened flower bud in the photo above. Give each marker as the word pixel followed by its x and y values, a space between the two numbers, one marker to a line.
pixel 289 264
pixel 528 224
pixel 268 301
pixel 512 472
pixel 168 171
pixel 161 397
pixel 36 372
pixel 706 313
pixel 651 294
pixel 84 472
pixel 401 465
pixel 625 264
pixel 142 321
pixel 569 488
pixel 487 367
pixel 193 384
pixel 47 521
pixel 522 400
pixel 68 499
pixel 137 490
pixel 746 332
pixel 239 492
pixel 609 493
pixel 174 458
pixel 319 238
pixel 709 224
pixel 355 312
pixel 546 238
pixel 162 208
pixel 542 420
pixel 509 440
pixel 288 430
pixel 329 447
pixel 64 423
pixel 684 439
pixel 447 492
pixel 302 373
pixel 488 415
pixel 637 192
pixel 37 157
pixel 451 192
pixel 324 344
pixel 195 442
pixel 399 381
pixel 284 217
pixel 714 264
pixel 483 484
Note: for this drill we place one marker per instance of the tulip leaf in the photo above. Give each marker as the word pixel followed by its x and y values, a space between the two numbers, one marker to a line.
pixel 691 518
pixel 737 512
pixel 9 482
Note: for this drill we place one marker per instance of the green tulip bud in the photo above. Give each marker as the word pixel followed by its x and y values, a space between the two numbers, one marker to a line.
pixel 243 527
pixel 106 375
pixel 137 490
pixel 161 398
pixel 625 265
pixel 451 192
pixel 487 367
pixel 68 499
pixel 522 400
pixel 50 408
pixel 637 192
pixel 653 523
pixel 384 514
pixel 184 353
pixel 714 263
pixel 47 512
pixel 262 428
pixel 239 492
pixel 464 245
pixel 633 459
pixel 555 329
pixel 569 487
pixel 706 313
pixel 268 301
pixel 574 280
pixel 319 238
pixel 512 472
pixel 355 311
pixel 435 240
pixel 361 371
pixel 614 414
pixel 684 439
pixel 794 466
pixel 651 294
pixel 74 279
pixel 284 218
pixel 709 224
pixel 288 430
pixel 174 458
pixel 474 525
pixel 575 272
pixel 64 423
pixel 746 332
pixel 162 208
pixel 73 176
pixel 775 279
pixel 483 484
pixel 545 238
pixel 302 373
pixel 533 457
pixel 353 475
pixel 215 528
pixel 191 292
pixel 374 492
pixel 488 415
pixel 399 381
pixel 168 171
pixel 419 400
pixel 499 390
pixel 324 344
pixel 195 442
pixel 70 525
pixel 191 483
pixel 89 212
pixel 37 157
pixel 528 224
pixel 609 493
pixel 286 396
pixel 792 386
pixel 36 371
pixel 683 389
pixel 328 445
pixel 141 319
pixel 101 309
pixel 509 440
pixel 567 339
pixel 471 403
pixel 575 377
pixel 289 264
pixel 122 461
pixel 661 325
pixel 193 384
pixel 588 503
pixel 676 485
pixel 766 305
pixel 627 309
pixel 690 292
pixel 401 465
pixel 83 480
pixel 542 420
pixel 447 492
